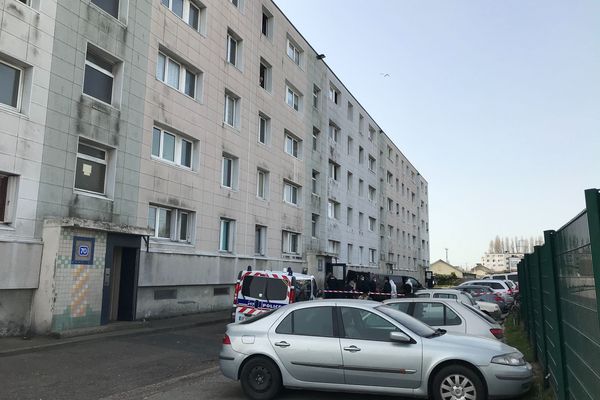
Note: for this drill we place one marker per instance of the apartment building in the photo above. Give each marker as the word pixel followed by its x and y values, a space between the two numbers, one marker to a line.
pixel 501 262
pixel 178 142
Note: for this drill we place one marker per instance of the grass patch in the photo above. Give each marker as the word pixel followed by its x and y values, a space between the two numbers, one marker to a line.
pixel 516 337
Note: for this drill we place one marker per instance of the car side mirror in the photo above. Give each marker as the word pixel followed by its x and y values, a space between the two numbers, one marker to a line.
pixel 400 337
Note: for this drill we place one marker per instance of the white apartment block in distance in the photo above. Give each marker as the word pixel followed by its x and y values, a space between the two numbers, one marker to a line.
pixel 200 137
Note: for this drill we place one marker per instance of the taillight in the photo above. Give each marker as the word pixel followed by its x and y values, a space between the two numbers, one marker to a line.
pixel 235 292
pixel 498 298
pixel 510 292
pixel 497 332
pixel 226 339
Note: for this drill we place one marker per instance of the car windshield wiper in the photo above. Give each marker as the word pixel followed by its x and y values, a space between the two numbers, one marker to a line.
pixel 438 332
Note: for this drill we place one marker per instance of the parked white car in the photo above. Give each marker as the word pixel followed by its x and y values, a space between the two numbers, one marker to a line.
pixel 500 287
pixel 491 309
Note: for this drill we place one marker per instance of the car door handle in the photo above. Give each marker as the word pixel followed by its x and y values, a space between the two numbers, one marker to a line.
pixel 352 349
pixel 282 344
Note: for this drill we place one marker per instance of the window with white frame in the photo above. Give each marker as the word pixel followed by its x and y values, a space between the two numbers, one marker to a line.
pixel 371 133
pixel 372 256
pixel 334 171
pixel 334 94
pixel 229 174
pixel 389 178
pixel 171 147
pixel 11 78
pixel 361 187
pixel 372 193
pixel 264 128
pixel 291 193
pixel 171 223
pixel 110 6
pixel 333 209
pixel 372 163
pixel 193 12
pixel 372 224
pixel 315 136
pixel 349 216
pixel 177 75
pixel 349 181
pixel 350 253
pixel 315 182
pixel 334 132
pixel 390 204
pixel 232 109
pixel 293 51
pixel 333 246
pixel 227 235
pixel 315 225
pixel 260 240
pixel 350 145
pixel 264 75
pixel 292 145
pixel 262 183
pixel 316 96
pixel 92 168
pixel 361 221
pixel 390 231
pixel 266 27
pixel 8 196
pixel 361 155
pixel 290 242
pixel 292 98
pixel 99 80
pixel 234 49
pixel 350 112
pixel 361 123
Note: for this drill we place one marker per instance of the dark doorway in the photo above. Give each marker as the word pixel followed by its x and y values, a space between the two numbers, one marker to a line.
pixel 120 278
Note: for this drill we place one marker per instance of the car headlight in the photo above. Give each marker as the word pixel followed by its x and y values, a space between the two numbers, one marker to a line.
pixel 514 359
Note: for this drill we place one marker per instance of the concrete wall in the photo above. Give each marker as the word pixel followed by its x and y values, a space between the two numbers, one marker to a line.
pixel 15 305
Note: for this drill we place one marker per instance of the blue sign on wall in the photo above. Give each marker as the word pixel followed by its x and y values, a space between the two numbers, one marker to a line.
pixel 83 250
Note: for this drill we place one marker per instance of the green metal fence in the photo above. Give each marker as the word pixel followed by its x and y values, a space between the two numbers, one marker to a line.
pixel 559 284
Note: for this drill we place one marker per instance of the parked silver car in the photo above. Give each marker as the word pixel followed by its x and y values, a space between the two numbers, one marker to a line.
pixel 449 314
pixel 367 347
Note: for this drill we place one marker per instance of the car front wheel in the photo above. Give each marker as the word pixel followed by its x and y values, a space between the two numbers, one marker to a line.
pixel 261 379
pixel 456 382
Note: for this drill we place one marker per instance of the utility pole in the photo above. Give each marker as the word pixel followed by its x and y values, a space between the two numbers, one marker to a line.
pixel 447 255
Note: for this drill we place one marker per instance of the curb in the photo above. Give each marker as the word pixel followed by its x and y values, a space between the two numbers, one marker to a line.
pixel 63 341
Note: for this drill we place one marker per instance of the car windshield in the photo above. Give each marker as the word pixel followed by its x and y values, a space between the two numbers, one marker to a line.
pixel 406 320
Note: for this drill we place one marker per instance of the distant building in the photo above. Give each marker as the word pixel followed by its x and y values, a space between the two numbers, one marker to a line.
pixel 479 270
pixel 501 262
pixel 441 267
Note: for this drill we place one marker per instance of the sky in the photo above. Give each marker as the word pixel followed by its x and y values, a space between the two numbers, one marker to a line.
pixel 496 103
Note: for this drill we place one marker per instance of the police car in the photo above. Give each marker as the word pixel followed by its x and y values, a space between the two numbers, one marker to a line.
pixel 260 291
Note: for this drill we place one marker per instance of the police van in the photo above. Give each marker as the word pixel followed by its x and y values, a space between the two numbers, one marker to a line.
pixel 260 291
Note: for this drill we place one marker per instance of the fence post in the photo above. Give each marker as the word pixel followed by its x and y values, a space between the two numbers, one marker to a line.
pixel 542 354
pixel 592 204
pixel 555 317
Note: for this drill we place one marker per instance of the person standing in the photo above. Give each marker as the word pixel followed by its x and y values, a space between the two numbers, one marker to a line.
pixel 394 289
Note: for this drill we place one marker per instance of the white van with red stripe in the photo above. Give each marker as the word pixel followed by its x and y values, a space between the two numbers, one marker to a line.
pixel 260 291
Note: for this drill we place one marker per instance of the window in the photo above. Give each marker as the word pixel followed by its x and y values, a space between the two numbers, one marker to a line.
pixel 390 231
pixel 237 3
pixel 176 75
pixel 232 110
pixel 334 94
pixel 260 240
pixel 316 96
pixel 315 136
pixel 266 27
pixel 361 221
pixel 290 193
pixel 191 11
pixel 361 254
pixel 264 77
pixel 315 182
pixel 110 6
pixel 293 52
pixel 435 314
pixel 290 242
pixel 292 98
pixel 264 128
pixel 334 132
pixel 333 246
pixel 92 168
pixel 372 194
pixel 229 171
pixel 389 178
pixel 349 216
pixel 372 256
pixel 333 209
pixel 258 286
pixel 361 155
pixel 365 325
pixel 350 145
pixel 390 203
pixel 350 253
pixel 314 225
pixel 99 76
pixel 349 181
pixel 227 235
pixel 361 123
pixel 234 49
pixel 171 223
pixel 262 185
pixel 371 163
pixel 8 185
pixel 10 85
pixel 171 147
pixel 372 223
pixel 371 133
pixel 334 171
pixel 361 188
pixel 314 321
pixel 292 145
pixel 350 112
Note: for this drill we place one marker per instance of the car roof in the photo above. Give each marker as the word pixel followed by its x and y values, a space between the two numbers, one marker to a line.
pixel 453 291
pixel 484 281
pixel 419 300
pixel 296 275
